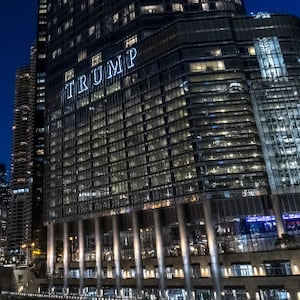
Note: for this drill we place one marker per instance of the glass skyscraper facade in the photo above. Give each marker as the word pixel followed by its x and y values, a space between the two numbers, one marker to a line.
pixel 171 149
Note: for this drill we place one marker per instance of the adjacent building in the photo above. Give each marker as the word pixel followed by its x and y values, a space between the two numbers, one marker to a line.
pixel 26 233
pixel 171 163
pixel 20 212
pixel 4 199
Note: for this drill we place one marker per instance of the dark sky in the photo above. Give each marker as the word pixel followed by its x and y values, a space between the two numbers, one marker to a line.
pixel 17 32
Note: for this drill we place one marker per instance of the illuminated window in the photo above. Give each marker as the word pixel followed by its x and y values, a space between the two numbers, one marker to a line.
pixel 115 18
pixel 270 58
pixel 177 7
pixel 216 52
pixel 151 9
pixel 278 268
pixel 251 50
pixel 40 152
pixel 56 53
pixel 68 24
pixel 205 6
pixel 242 270
pixel 69 74
pixel 92 30
pixel 82 55
pixel 96 59
pixel 78 38
pixel 131 41
pixel 217 65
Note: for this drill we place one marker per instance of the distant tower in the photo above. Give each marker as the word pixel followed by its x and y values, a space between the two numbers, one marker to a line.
pixel 25 209
pixel 20 212
pixel 4 198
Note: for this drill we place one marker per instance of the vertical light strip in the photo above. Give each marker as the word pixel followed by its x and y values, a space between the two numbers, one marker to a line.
pixel 81 255
pixel 66 257
pixel 117 253
pixel 185 252
pixel 50 253
pixel 137 254
pixel 98 250
pixel 160 254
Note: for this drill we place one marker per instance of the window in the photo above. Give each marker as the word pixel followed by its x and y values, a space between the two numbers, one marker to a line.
pixel 69 74
pixel 251 51
pixel 151 9
pixel 115 18
pixel 177 7
pixel 273 293
pixel 217 65
pixel 278 268
pixel 195 270
pixel 74 273
pixel 232 293
pixel 216 52
pixel 131 41
pixel 89 273
pixel 242 270
pixel 96 59
pixel 56 53
pixel 92 30
pixel 68 24
pixel 170 271
pixel 270 58
pixel 82 55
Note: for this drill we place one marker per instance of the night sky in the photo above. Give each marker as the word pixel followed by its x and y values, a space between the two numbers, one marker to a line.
pixel 17 31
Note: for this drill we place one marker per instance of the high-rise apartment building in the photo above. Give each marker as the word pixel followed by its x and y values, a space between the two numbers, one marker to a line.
pixel 19 222
pixel 26 233
pixel 171 167
pixel 4 199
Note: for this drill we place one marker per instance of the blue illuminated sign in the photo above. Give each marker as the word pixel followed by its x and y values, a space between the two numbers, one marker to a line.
pixel 254 219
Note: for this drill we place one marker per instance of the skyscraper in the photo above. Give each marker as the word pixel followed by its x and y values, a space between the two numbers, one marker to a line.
pixel 19 222
pixel 25 226
pixel 4 199
pixel 160 172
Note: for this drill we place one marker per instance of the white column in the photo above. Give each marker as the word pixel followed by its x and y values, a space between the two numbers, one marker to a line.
pixel 185 251
pixel 98 250
pixel 50 253
pixel 160 254
pixel 137 255
pixel 81 255
pixel 66 257
pixel 117 253
pixel 213 249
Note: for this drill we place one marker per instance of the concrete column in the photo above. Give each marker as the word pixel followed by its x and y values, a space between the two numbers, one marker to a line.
pixel 137 255
pixel 278 216
pixel 98 250
pixel 160 254
pixel 50 253
pixel 117 253
pixel 81 255
pixel 185 252
pixel 66 257
pixel 213 249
